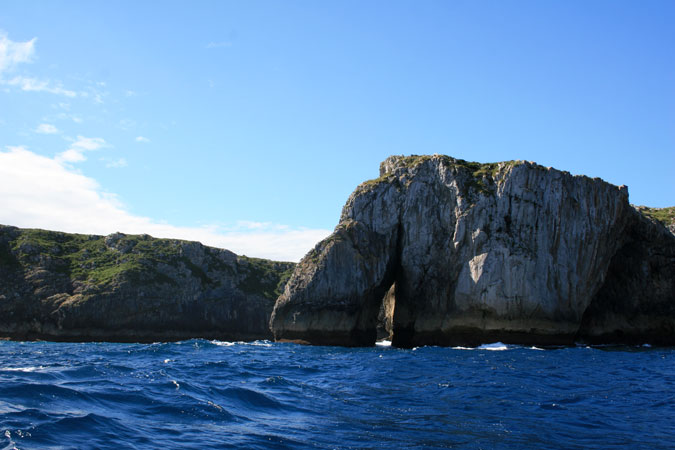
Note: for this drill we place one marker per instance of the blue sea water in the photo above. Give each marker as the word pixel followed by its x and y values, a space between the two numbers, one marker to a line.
pixel 207 394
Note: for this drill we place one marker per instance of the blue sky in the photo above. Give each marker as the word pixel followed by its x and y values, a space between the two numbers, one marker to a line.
pixel 247 124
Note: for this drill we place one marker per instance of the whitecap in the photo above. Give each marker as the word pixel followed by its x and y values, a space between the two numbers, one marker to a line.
pixel 223 343
pixel 495 346
pixel 22 369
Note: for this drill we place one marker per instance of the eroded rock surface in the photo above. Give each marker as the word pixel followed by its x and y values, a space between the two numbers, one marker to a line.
pixel 61 286
pixel 636 304
pixel 509 251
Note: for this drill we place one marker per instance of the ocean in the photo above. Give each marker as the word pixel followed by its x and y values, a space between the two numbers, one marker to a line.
pixel 202 394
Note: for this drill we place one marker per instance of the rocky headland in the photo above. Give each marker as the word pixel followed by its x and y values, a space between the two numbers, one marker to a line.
pixel 441 251
pixel 71 287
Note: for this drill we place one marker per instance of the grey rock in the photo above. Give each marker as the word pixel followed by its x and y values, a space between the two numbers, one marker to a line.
pixel 511 251
pixel 61 286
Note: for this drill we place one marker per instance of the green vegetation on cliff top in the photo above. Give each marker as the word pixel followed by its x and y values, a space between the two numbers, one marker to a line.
pixel 99 260
pixel 664 215
pixel 264 276
pixel 479 171
pixel 88 258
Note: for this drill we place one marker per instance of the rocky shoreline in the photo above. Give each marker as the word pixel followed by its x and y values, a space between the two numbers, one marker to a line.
pixel 436 251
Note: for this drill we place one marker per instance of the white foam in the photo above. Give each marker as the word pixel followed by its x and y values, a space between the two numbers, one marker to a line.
pixel 23 369
pixel 495 346
pixel 383 343
pixel 254 343
pixel 224 343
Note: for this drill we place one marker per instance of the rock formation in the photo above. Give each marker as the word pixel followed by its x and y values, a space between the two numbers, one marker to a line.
pixel 636 303
pixel 60 286
pixel 510 252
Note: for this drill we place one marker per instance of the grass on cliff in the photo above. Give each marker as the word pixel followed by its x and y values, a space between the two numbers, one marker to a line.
pixel 88 258
pixel 664 215
pixel 481 173
pixel 134 258
pixel 264 276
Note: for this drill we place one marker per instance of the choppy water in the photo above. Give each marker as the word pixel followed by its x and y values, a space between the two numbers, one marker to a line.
pixel 205 394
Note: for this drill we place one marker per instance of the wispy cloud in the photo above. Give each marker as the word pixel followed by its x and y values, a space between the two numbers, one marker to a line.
pixel 42 192
pixel 115 163
pixel 14 53
pixel 46 128
pixel 126 124
pixel 73 117
pixel 142 139
pixel 77 149
pixel 35 85
pixel 222 44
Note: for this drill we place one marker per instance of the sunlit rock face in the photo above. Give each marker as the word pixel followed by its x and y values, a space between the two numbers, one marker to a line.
pixel 508 251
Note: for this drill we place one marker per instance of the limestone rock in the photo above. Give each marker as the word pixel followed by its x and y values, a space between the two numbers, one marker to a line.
pixel 509 251
pixel 636 304
pixel 61 286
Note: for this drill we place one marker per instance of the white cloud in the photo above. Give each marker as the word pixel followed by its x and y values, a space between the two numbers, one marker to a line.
pixel 127 124
pixel 42 192
pixel 71 156
pixel 35 85
pixel 88 143
pixel 65 116
pixel 142 139
pixel 14 53
pixel 219 44
pixel 116 163
pixel 46 128
pixel 76 151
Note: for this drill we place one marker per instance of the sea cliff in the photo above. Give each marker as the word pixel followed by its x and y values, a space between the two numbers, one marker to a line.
pixel 60 286
pixel 450 252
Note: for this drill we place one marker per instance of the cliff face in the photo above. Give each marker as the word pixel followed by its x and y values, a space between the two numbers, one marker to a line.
pixel 477 253
pixel 636 304
pixel 62 286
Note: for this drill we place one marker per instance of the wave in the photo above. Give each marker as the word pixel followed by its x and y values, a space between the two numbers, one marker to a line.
pixel 217 394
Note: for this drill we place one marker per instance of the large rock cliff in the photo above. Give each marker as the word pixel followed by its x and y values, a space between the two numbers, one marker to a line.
pixel 508 251
pixel 60 286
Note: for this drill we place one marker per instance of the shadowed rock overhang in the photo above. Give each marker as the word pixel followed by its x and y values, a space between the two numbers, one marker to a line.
pixel 512 252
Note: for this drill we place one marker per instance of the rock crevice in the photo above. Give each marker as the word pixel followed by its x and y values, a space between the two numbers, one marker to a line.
pixel 509 251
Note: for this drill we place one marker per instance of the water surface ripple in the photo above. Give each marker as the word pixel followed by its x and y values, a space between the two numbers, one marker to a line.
pixel 208 394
